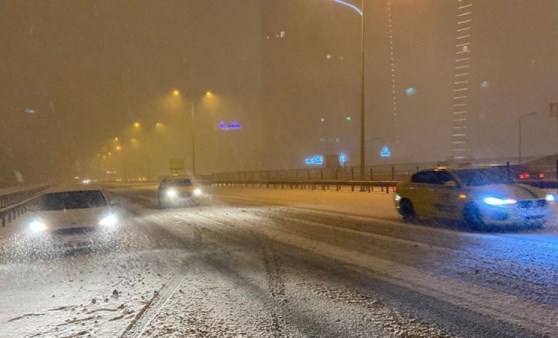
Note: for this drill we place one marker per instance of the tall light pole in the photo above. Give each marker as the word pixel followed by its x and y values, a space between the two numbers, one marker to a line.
pixel 361 12
pixel 520 125
pixel 177 93
pixel 192 113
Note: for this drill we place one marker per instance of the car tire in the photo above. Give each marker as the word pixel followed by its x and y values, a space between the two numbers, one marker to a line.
pixel 473 218
pixel 407 210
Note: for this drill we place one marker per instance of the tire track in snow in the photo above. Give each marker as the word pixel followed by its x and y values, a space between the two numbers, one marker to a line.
pixel 150 311
pixel 272 263
pixel 276 284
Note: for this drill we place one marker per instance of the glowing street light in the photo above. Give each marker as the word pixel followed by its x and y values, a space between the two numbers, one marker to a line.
pixel 137 125
pixel 176 92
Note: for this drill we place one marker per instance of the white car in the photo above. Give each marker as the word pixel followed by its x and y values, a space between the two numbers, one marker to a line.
pixel 72 219
pixel 480 197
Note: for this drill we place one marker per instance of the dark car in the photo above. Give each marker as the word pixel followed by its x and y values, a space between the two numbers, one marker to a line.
pixel 520 172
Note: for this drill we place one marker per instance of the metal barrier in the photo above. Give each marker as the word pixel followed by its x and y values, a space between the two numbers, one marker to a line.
pixel 363 186
pixel 342 174
pixel 15 204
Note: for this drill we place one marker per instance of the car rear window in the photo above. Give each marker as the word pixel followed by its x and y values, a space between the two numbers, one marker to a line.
pixel 73 200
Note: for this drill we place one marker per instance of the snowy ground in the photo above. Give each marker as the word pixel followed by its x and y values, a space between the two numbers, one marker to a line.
pixel 258 262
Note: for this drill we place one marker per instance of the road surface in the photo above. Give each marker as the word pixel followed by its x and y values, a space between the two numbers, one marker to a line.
pixel 235 267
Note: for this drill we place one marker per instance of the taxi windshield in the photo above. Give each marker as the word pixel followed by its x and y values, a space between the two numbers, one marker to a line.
pixel 478 177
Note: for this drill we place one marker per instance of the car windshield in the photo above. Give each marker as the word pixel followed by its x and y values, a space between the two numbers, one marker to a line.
pixel 179 183
pixel 478 177
pixel 72 200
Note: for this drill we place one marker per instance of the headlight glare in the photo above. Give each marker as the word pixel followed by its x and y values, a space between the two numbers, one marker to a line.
pixel 198 192
pixel 109 220
pixel 171 193
pixel 499 201
pixel 550 198
pixel 37 226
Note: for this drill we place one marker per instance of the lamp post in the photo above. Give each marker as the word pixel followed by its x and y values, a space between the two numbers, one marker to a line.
pixel 177 93
pixel 520 125
pixel 360 11
pixel 193 138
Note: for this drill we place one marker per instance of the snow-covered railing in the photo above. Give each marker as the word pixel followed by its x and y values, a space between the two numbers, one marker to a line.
pixel 344 174
pixel 367 186
pixel 14 201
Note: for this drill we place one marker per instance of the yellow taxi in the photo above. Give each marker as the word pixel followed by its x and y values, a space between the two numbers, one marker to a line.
pixel 479 197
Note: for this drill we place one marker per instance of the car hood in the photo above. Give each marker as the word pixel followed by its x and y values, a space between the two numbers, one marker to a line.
pixel 508 191
pixel 72 218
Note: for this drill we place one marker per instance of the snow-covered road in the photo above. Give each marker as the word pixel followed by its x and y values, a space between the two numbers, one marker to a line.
pixel 299 264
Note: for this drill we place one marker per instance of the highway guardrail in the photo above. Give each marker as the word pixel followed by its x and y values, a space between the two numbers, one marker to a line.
pixel 367 186
pixel 15 203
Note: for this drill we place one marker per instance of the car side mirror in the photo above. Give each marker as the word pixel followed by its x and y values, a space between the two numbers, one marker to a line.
pixel 450 184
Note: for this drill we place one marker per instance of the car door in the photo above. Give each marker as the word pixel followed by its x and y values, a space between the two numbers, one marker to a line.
pixel 421 192
pixel 445 193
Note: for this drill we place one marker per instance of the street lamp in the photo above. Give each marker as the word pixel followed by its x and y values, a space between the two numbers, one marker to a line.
pixel 177 93
pixel 520 125
pixel 360 11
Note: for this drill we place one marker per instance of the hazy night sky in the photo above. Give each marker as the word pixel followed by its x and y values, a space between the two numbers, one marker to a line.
pixel 91 68
pixel 514 71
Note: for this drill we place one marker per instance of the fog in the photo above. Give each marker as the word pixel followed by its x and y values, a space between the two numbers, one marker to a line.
pixel 284 73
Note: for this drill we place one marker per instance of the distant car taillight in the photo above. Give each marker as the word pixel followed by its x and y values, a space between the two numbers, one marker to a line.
pixel 524 176
pixel 541 175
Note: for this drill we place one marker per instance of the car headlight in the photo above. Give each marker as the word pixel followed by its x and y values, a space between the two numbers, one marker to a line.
pixel 37 226
pixel 397 198
pixel 550 198
pixel 109 220
pixel 198 192
pixel 171 193
pixel 499 201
